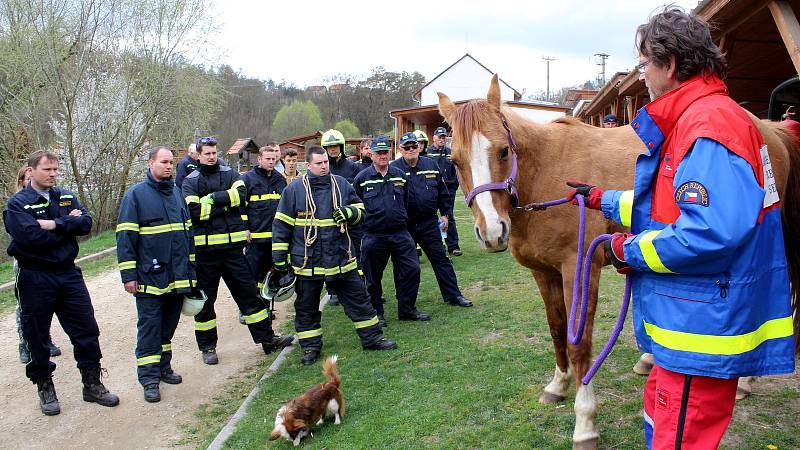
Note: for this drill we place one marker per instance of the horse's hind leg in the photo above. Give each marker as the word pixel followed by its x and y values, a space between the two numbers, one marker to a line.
pixel 550 286
pixel 745 387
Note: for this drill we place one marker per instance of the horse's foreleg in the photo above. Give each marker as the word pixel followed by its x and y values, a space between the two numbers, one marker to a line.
pixel 585 435
pixel 644 365
pixel 745 387
pixel 550 286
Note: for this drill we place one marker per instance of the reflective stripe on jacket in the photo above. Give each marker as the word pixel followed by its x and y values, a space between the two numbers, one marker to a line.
pixel 427 193
pixel 223 223
pixel 263 194
pixel 384 200
pixel 710 285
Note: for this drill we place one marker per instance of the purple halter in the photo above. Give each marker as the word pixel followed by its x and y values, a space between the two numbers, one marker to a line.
pixel 509 185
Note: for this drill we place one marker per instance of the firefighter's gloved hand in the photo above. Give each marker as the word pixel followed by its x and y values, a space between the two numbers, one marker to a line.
pixel 208 199
pixel 592 195
pixel 281 270
pixel 345 214
pixel 616 253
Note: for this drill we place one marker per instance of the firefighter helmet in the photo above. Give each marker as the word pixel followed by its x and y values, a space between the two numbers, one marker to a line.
pixel 278 288
pixel 193 302
pixel 332 137
pixel 421 136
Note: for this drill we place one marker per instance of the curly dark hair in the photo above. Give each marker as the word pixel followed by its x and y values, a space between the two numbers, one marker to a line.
pixel 673 32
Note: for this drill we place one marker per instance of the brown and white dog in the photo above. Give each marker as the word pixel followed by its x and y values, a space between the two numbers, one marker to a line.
pixel 295 419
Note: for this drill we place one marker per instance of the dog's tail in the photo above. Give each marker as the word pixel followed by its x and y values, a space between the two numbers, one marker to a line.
pixel 331 371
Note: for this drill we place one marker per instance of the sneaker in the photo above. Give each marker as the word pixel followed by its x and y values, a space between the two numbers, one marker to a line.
pixel 151 393
pixel 48 402
pixel 170 377
pixel 210 356
pixel 310 356
pixel 24 354
pixel 54 350
pixel 383 344
pixel 456 252
pixel 276 343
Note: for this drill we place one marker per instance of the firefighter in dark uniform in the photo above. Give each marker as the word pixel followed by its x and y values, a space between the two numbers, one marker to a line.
pixel 43 221
pixel 264 186
pixel 427 193
pixel 422 141
pixel 442 154
pixel 310 236
pixel 215 195
pixel 365 161
pixel 155 251
pixel 333 142
pixel 186 166
pixel 383 190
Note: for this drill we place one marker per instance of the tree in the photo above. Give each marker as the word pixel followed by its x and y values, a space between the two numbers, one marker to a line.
pixel 348 128
pixel 298 118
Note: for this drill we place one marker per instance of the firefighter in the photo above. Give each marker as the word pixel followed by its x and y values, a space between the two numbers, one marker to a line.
pixel 428 193
pixel 264 186
pixel 311 236
pixel 155 251
pixel 215 195
pixel 43 221
pixel 383 191
pixel 442 154
pixel 365 161
pixel 187 165
pixel 422 141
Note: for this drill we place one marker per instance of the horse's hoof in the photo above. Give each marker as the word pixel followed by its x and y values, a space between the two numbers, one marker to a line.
pixel 642 367
pixel 589 444
pixel 548 398
pixel 742 394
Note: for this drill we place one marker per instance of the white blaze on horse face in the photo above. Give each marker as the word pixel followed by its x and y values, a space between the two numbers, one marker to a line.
pixel 482 174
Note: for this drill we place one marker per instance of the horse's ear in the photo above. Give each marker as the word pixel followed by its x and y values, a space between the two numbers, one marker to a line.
pixel 446 106
pixel 493 97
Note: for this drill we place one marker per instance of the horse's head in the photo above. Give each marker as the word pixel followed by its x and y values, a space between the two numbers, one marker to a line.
pixel 482 156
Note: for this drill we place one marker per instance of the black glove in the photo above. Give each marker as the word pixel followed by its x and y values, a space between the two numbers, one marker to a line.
pixel 344 214
pixel 592 195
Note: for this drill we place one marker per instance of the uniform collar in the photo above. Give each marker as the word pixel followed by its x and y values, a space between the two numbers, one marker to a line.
pixel 33 195
pixel 163 185
pixel 263 172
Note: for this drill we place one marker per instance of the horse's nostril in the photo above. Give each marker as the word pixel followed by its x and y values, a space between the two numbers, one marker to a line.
pixel 504 234
pixel 478 234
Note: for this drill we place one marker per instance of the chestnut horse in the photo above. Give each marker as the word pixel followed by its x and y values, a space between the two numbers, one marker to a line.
pixel 546 241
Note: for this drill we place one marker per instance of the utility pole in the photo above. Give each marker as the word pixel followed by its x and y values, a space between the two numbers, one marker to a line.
pixel 548 59
pixel 601 76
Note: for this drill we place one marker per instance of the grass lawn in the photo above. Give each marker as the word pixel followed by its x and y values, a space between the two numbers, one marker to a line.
pixel 471 377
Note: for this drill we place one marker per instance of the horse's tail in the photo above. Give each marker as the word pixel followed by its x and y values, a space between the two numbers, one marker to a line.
pixel 790 210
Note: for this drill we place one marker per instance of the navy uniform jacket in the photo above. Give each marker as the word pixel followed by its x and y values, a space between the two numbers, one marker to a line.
pixel 344 168
pixel 155 247
pixel 384 199
pixel 331 253
pixel 263 194
pixel 224 223
pixel 39 249
pixel 443 158
pixel 427 192
pixel 186 166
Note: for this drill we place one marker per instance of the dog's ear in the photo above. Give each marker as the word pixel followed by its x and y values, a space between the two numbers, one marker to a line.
pixel 299 424
pixel 276 433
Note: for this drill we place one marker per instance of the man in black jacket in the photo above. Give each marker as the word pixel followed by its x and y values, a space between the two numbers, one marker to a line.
pixel 442 154
pixel 215 195
pixel 155 251
pixel 43 221
pixel 186 166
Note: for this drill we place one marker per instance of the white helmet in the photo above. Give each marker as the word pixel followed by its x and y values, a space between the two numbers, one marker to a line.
pixel 193 302
pixel 278 289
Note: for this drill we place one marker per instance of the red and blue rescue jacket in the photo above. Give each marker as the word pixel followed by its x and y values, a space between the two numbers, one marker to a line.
pixel 710 281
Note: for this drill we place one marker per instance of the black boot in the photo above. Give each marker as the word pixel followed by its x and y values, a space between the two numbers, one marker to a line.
pixel 24 354
pixel 48 401
pixel 93 389
pixel 383 344
pixel 276 343
pixel 310 356
pixel 54 350
pixel 151 393
pixel 170 377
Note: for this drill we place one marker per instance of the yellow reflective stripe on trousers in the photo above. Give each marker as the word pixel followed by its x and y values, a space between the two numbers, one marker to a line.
pixel 261 235
pixel 177 284
pixel 218 239
pixel 262 197
pixel 649 253
pixel 310 333
pixel 127 265
pixel 256 317
pixel 244 217
pixel 278 246
pixel 205 326
pixel 145 360
pixel 626 208
pixel 366 323
pixel 309 271
pixel 720 345
pixel 165 228
pixel 166 348
pixel 284 218
pixel 205 211
pixel 127 226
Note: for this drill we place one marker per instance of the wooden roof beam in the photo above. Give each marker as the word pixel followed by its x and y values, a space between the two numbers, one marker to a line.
pixel 788 27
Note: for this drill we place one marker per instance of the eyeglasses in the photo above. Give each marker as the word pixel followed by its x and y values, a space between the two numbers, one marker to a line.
pixel 209 140
pixel 640 67
pixel 410 147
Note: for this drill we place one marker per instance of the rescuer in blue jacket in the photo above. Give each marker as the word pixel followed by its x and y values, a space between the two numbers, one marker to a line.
pixel 186 166
pixel 441 153
pixel 155 253
pixel 383 190
pixel 43 221
pixel 427 193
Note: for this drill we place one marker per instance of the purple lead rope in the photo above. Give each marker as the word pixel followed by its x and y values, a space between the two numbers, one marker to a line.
pixel 581 284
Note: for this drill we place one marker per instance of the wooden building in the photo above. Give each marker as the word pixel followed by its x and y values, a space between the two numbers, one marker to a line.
pixel 761 43
pixel 246 154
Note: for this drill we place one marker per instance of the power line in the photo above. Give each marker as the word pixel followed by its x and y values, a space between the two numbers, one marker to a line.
pixel 547 60
pixel 601 75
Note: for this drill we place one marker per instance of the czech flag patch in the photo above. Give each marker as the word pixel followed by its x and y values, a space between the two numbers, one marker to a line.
pixel 692 193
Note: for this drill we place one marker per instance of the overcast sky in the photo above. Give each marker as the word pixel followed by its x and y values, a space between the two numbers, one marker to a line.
pixel 306 41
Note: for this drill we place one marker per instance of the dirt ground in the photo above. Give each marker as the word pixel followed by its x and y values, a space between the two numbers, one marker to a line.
pixel 134 423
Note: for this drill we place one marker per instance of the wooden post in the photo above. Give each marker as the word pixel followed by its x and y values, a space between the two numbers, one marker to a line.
pixel 788 27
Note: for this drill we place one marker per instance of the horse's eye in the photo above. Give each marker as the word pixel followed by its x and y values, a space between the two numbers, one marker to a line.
pixel 504 153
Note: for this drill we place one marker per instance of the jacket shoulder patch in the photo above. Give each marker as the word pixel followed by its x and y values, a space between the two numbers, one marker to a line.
pixel 691 193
